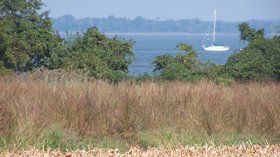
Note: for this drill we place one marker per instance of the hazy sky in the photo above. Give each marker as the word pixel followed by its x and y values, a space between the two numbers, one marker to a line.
pixel 228 10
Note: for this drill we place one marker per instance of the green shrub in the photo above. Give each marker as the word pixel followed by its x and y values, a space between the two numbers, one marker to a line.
pixel 260 60
pixel 184 66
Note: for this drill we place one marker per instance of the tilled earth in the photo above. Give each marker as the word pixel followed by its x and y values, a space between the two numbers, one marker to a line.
pixel 241 150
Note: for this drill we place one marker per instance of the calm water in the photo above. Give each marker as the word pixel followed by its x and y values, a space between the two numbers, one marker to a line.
pixel 149 46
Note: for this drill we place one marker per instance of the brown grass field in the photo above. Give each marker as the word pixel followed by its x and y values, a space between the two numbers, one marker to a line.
pixel 72 114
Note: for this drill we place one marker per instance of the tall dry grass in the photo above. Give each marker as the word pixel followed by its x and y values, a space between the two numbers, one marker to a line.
pixel 30 107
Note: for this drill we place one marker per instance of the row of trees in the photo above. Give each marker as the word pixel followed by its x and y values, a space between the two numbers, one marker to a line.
pixel 140 24
pixel 260 60
pixel 27 42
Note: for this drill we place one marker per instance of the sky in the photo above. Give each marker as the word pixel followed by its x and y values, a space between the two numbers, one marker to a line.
pixel 227 10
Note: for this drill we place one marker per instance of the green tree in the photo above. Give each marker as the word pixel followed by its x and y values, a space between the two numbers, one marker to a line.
pixel 163 61
pixel 188 58
pixel 27 39
pixel 184 66
pixel 99 56
pixel 260 60
pixel 249 34
pixel 176 71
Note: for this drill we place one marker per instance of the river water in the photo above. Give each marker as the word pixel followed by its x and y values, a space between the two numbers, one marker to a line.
pixel 148 46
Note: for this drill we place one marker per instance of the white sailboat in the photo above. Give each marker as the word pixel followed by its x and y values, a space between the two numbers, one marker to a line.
pixel 212 46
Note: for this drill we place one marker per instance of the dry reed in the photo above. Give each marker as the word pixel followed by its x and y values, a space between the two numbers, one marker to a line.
pixel 97 108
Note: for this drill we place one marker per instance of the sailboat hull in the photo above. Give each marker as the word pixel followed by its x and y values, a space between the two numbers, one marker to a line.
pixel 216 48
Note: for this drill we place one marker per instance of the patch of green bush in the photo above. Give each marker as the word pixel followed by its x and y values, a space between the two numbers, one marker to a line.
pixel 260 60
pixel 184 66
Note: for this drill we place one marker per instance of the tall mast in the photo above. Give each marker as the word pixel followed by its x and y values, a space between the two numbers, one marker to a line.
pixel 214 31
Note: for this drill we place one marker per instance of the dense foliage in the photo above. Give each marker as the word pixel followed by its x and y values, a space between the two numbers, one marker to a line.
pixel 99 56
pixel 184 66
pixel 260 60
pixel 27 41
pixel 26 37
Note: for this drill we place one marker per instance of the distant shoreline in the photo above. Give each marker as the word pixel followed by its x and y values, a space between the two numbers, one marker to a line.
pixel 157 33
pixel 163 33
pixel 152 33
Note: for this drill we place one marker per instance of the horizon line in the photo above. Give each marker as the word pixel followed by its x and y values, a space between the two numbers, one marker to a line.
pixel 158 19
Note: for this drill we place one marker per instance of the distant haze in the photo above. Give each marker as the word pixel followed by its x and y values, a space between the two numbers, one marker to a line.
pixel 227 10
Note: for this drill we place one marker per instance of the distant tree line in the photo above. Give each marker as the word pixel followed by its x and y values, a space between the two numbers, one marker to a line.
pixel 140 24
